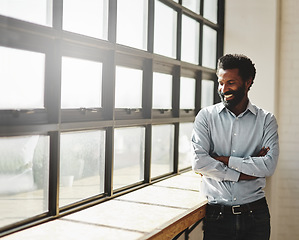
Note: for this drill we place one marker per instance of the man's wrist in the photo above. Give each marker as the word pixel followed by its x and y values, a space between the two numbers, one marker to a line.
pixel 222 159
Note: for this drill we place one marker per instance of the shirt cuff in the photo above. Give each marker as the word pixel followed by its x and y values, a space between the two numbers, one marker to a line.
pixel 235 163
pixel 231 175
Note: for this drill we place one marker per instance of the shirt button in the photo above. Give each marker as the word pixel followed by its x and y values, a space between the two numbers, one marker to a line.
pixel 235 199
pixel 235 134
pixel 234 150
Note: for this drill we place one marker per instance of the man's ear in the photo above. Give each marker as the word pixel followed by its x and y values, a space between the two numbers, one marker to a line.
pixel 248 83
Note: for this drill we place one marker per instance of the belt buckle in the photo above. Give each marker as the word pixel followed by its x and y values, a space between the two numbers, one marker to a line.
pixel 234 211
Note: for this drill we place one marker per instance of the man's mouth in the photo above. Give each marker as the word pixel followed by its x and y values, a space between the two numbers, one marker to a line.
pixel 228 96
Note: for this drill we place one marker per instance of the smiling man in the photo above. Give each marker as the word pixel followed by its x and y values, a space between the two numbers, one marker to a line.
pixel 235 147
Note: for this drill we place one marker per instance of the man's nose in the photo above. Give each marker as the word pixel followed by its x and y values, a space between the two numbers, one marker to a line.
pixel 223 88
pixel 226 88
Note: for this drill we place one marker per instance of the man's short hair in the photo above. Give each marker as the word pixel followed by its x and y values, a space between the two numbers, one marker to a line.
pixel 243 63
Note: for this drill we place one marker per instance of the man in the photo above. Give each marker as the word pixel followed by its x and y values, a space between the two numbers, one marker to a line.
pixel 235 147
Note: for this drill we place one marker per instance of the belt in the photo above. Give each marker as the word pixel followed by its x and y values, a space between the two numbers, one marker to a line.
pixel 239 209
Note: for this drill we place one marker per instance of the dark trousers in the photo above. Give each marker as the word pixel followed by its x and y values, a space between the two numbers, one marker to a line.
pixel 222 224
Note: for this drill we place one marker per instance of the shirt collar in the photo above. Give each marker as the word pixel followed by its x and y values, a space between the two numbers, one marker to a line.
pixel 250 108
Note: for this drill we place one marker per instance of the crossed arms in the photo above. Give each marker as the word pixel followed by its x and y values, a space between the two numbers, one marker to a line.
pixel 243 176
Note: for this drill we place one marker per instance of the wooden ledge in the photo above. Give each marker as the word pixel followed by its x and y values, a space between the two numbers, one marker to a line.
pixel 175 226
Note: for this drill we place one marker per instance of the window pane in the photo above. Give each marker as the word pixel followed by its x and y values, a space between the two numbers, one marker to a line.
pixel 162 91
pixel 22 79
pixel 162 150
pixel 190 40
pixel 35 11
pixel 210 10
pixel 81 83
pixel 132 23
pixel 82 165
pixel 87 17
pixel 187 93
pixel 128 88
pixel 24 177
pixel 209 47
pixel 207 93
pixel 165 30
pixel 128 156
pixel 185 153
pixel 193 5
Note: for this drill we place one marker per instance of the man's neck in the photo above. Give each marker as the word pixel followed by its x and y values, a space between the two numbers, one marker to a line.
pixel 241 107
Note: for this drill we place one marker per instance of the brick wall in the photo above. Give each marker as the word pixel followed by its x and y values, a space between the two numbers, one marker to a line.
pixel 268 32
pixel 288 93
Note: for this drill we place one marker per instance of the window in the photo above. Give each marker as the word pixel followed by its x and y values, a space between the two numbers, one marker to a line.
pixel 207 93
pixel 24 88
pixel 162 150
pixel 129 156
pixel 24 176
pixel 98 98
pixel 86 17
pixel 162 91
pixel 210 10
pixel 165 30
pixel 81 83
pixel 185 153
pixel 128 88
pixel 34 11
pixel 190 39
pixel 193 5
pixel 82 165
pixel 187 93
pixel 132 24
pixel 209 47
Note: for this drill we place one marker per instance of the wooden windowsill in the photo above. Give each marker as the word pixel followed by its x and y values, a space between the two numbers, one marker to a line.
pixel 159 211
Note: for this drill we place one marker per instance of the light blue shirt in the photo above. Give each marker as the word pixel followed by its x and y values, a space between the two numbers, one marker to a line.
pixel 217 131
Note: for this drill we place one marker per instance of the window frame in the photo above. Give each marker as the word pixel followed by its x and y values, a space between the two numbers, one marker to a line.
pixel 54 42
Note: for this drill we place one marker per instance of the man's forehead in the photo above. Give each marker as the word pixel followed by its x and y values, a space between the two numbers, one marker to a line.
pixel 228 72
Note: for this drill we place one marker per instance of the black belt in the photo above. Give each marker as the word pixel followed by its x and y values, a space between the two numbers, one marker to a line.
pixel 239 209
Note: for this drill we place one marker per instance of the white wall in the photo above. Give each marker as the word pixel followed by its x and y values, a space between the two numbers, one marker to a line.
pixel 267 31
pixel 250 29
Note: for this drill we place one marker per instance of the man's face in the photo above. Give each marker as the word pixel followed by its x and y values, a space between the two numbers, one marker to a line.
pixel 231 89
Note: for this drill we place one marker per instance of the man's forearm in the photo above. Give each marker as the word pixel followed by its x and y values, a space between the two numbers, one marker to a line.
pixel 246 177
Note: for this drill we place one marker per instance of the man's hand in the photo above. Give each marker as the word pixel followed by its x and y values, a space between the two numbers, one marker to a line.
pixel 263 152
pixel 222 159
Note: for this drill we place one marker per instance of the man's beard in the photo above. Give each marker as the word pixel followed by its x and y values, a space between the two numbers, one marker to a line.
pixel 238 96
